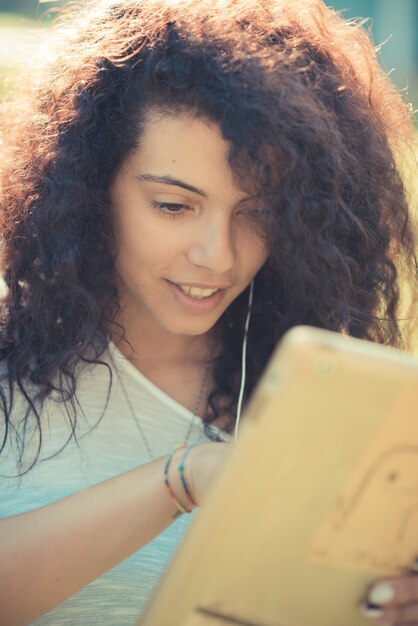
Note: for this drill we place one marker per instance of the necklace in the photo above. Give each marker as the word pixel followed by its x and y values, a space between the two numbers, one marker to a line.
pixel 135 417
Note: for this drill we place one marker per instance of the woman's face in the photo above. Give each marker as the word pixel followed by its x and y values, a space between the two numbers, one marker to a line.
pixel 186 242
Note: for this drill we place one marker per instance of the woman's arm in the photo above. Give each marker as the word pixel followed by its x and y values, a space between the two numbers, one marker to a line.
pixel 48 554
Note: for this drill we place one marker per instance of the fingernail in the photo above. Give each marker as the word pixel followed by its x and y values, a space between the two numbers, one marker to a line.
pixel 381 594
pixel 371 610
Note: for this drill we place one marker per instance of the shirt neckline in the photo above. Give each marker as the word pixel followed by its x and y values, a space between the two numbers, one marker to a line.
pixel 124 365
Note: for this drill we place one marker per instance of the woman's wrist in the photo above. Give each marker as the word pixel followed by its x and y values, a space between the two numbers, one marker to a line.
pixel 202 464
pixel 177 479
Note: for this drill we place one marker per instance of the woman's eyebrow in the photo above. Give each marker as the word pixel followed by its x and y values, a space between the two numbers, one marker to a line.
pixel 168 180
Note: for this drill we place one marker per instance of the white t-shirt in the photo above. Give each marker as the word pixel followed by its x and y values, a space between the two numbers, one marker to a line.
pixel 109 443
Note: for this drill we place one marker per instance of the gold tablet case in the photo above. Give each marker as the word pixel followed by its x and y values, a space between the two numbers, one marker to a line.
pixel 318 497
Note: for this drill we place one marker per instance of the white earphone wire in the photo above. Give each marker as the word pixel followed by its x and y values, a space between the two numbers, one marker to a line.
pixel 244 359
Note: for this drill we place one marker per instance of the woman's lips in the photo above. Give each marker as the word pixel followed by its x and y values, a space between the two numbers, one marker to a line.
pixel 194 304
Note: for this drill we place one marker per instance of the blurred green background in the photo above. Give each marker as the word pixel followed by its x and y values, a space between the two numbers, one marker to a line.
pixel 392 21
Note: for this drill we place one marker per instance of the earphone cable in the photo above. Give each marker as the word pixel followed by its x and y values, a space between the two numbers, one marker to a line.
pixel 244 360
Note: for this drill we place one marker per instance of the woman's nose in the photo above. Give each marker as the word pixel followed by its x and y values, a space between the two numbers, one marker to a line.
pixel 213 246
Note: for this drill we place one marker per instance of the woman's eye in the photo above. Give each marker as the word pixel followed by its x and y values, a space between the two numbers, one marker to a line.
pixel 257 215
pixel 255 220
pixel 169 208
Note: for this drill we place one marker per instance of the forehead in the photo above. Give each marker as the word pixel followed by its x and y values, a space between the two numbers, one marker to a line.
pixel 187 148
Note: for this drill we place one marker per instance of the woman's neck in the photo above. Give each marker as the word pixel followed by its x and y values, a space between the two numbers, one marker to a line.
pixel 176 365
pixel 165 349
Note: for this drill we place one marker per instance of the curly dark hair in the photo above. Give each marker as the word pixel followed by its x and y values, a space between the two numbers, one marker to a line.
pixel 312 123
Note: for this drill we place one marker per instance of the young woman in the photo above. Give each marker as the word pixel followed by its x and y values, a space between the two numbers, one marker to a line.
pixel 178 165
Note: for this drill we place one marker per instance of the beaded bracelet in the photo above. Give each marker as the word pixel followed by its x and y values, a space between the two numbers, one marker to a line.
pixel 178 504
pixel 182 477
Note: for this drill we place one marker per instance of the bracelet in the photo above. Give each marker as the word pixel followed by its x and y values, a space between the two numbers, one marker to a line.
pixel 178 504
pixel 182 477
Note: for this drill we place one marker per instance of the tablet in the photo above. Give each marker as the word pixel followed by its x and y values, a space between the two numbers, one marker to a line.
pixel 318 497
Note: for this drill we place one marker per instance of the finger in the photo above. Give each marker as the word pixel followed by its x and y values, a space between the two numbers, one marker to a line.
pixel 394 591
pixel 405 615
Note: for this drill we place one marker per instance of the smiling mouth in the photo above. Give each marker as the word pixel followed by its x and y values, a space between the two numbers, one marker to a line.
pixel 197 292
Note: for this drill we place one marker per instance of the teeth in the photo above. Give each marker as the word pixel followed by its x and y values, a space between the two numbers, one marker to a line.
pixel 197 292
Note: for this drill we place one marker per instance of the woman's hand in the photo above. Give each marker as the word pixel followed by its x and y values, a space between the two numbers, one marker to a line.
pixel 393 601
pixel 203 465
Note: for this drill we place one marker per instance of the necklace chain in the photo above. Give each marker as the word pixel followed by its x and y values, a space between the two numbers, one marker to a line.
pixel 138 422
